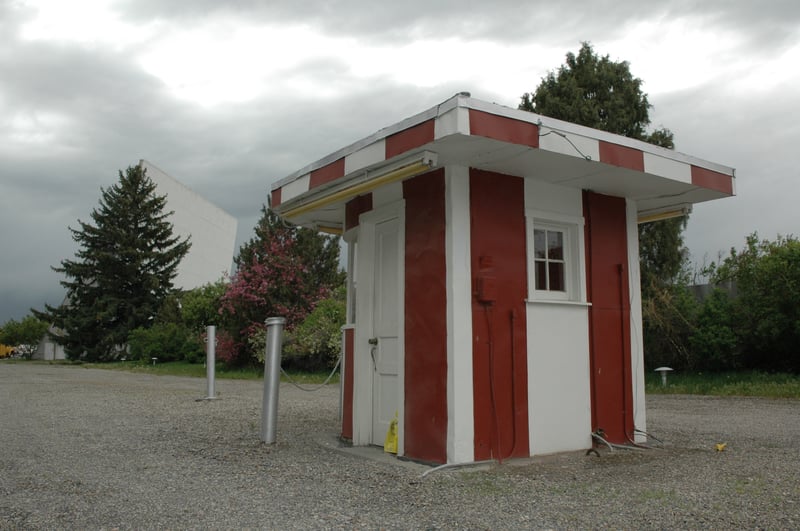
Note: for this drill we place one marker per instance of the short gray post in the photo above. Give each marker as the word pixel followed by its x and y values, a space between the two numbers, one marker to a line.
pixel 272 377
pixel 211 365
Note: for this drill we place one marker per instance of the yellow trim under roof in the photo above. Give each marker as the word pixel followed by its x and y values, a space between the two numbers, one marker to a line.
pixel 661 215
pixel 403 172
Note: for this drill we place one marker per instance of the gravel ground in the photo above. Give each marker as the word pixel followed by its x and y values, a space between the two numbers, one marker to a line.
pixel 94 449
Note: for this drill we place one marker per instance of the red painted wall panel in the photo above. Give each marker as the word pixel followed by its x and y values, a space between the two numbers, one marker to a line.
pixel 347 400
pixel 502 128
pixel 276 197
pixel 425 392
pixel 621 156
pixel 712 179
pixel 499 351
pixel 326 174
pixel 609 315
pixel 411 138
pixel 354 208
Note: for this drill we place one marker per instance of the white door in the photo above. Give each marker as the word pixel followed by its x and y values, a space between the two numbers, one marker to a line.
pixel 385 344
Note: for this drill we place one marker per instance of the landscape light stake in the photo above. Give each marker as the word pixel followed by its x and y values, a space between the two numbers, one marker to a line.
pixel 663 371
pixel 272 377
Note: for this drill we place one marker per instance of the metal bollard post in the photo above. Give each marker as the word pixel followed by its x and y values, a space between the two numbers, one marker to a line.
pixel 272 377
pixel 211 365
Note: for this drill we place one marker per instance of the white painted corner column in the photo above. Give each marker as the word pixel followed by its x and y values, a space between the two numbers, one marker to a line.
pixel 460 416
pixel 637 341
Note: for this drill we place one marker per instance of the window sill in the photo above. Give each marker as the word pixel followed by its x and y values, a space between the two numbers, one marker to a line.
pixel 558 302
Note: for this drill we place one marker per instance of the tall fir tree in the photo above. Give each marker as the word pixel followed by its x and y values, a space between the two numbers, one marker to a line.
pixel 597 92
pixel 123 271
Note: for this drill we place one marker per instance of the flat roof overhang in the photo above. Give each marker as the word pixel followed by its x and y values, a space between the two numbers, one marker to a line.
pixel 467 132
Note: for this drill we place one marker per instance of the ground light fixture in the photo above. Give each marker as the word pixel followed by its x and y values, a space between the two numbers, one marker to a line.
pixel 663 371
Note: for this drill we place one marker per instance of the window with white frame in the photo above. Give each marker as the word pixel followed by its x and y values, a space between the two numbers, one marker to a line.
pixel 555 250
pixel 549 259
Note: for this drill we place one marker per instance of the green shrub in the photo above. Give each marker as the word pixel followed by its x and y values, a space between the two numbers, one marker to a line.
pixel 668 315
pixel 714 344
pixel 767 307
pixel 167 342
pixel 316 343
pixel 200 306
pixel 24 335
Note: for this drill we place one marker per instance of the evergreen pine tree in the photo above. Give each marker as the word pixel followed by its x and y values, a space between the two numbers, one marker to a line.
pixel 597 92
pixel 123 271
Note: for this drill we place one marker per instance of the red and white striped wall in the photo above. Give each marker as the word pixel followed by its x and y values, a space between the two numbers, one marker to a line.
pixel 519 376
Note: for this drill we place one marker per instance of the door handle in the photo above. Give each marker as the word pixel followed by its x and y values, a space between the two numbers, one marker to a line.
pixel 374 342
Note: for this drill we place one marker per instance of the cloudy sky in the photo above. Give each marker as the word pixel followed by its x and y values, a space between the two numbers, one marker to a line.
pixel 230 96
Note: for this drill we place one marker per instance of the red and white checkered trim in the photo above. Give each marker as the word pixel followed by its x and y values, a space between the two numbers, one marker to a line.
pixel 462 115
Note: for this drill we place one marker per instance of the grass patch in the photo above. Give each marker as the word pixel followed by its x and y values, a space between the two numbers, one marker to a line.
pixel 198 370
pixel 749 383
pixel 311 378
pixel 194 370
pixel 177 368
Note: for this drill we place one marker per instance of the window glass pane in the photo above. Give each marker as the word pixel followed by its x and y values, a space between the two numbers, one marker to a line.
pixel 555 245
pixel 539 244
pixel 556 270
pixel 541 274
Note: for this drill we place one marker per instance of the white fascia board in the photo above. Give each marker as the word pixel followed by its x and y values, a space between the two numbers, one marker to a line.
pixel 572 145
pixel 367 156
pixel 669 168
pixel 452 122
pixel 295 188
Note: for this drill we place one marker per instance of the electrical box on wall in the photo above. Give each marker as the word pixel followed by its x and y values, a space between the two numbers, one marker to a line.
pixel 485 282
pixel 486 289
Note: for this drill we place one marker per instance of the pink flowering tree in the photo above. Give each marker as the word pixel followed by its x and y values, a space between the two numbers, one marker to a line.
pixel 282 272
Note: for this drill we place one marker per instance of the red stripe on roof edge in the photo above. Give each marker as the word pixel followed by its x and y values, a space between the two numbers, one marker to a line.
pixel 408 139
pixel 327 173
pixel 621 156
pixel 712 180
pixel 503 128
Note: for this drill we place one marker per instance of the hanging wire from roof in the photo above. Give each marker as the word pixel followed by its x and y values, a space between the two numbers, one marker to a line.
pixel 562 135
